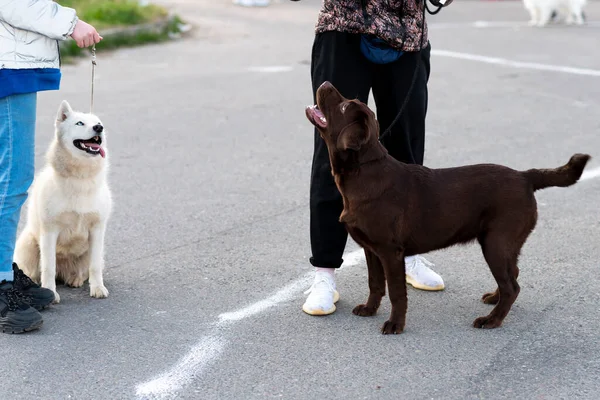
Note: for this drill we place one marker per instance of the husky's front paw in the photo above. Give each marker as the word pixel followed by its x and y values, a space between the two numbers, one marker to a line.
pixel 99 292
pixel 75 281
pixel 56 298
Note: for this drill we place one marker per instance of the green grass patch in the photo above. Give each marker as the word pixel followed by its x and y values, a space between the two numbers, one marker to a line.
pixel 112 13
pixel 112 18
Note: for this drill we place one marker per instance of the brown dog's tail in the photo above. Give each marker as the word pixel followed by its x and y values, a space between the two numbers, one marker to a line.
pixel 564 176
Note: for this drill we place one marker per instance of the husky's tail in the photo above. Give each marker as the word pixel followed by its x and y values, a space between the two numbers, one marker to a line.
pixel 564 176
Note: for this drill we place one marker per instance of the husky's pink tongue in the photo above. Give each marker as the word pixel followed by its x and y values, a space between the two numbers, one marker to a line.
pixel 96 147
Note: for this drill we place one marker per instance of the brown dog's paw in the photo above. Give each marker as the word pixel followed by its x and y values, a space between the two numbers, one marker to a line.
pixel 390 327
pixel 363 311
pixel 487 322
pixel 490 298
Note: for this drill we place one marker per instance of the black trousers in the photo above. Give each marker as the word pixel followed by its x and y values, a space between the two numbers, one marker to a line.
pixel 336 57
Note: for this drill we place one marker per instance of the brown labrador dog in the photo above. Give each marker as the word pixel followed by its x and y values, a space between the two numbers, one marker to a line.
pixel 394 210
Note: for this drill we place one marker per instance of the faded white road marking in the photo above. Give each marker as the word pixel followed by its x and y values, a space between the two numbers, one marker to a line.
pixel 209 348
pixel 501 24
pixel 591 174
pixel 286 293
pixel 271 68
pixel 354 258
pixel 470 57
pixel 181 374
pixel 516 64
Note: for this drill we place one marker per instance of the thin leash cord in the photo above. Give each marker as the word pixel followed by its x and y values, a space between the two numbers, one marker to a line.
pixel 93 77
pixel 416 73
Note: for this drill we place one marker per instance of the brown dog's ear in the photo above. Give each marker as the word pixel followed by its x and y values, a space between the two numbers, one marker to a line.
pixel 354 135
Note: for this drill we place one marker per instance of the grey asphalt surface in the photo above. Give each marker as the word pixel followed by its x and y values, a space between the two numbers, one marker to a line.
pixel 210 166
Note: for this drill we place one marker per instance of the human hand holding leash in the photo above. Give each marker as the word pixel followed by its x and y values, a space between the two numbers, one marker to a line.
pixel 85 34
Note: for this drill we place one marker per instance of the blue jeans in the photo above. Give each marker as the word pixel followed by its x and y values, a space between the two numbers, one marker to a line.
pixel 17 156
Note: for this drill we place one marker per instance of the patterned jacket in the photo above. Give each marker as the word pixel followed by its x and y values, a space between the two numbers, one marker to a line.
pixel 398 22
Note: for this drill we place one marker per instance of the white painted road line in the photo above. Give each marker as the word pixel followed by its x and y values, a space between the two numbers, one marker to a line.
pixel 496 25
pixel 166 385
pixel 208 349
pixel 516 64
pixel 590 174
pixel 271 68
pixel 288 292
pixel 469 57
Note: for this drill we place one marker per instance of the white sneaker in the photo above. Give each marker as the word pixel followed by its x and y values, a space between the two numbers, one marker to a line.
pixel 420 276
pixel 322 297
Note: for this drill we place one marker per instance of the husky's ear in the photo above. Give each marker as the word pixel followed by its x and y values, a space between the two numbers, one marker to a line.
pixel 63 112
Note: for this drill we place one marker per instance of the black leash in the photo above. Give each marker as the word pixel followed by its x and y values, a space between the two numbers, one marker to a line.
pixel 417 69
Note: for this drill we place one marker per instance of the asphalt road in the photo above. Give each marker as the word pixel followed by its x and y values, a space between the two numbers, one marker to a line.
pixel 207 248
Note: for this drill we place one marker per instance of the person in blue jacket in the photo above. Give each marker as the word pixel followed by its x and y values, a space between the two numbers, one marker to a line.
pixel 29 63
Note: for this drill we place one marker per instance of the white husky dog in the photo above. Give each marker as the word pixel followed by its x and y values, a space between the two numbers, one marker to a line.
pixel 69 206
pixel 541 11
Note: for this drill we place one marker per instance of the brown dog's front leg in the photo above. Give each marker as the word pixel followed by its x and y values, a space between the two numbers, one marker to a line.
pixel 376 286
pixel 393 265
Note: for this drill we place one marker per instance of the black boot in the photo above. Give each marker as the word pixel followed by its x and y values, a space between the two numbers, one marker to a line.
pixel 33 294
pixel 15 315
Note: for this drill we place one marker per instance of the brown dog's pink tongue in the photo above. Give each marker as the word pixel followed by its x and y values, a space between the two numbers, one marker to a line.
pixel 97 147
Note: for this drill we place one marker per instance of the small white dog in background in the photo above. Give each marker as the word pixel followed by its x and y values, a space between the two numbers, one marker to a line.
pixel 69 206
pixel 542 11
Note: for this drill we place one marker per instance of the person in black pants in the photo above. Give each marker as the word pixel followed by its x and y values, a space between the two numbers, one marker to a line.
pixel 337 57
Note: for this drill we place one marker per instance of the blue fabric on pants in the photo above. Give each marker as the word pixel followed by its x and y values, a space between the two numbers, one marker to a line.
pixel 17 156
